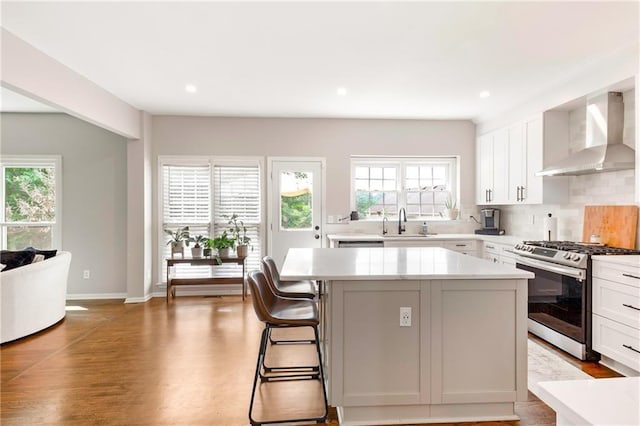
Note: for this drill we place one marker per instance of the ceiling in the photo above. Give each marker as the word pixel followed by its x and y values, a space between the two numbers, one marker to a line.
pixel 417 60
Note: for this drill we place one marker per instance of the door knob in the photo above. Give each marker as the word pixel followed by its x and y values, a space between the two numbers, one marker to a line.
pixel 317 228
pixel 316 236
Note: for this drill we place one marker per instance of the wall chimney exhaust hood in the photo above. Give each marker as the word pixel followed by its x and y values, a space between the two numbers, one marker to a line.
pixel 604 148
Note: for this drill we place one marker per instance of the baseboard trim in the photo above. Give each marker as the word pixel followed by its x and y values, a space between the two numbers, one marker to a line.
pixel 138 299
pixel 91 296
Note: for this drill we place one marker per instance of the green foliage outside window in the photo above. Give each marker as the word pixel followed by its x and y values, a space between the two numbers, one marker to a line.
pixel 29 194
pixel 29 197
pixel 296 211
pixel 364 201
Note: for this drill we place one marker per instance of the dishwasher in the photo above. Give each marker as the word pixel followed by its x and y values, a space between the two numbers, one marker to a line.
pixel 345 244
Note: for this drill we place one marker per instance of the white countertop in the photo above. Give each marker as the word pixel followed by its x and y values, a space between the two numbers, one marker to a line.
pixel 630 260
pixel 595 402
pixel 424 263
pixel 504 239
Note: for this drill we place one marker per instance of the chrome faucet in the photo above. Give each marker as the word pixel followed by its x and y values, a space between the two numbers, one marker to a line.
pixel 384 225
pixel 401 228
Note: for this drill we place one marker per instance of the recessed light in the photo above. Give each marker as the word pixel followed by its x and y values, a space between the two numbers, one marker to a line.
pixel 484 94
pixel 191 88
pixel 341 91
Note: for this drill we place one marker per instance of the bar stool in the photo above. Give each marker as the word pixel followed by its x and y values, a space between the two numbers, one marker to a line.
pixel 302 289
pixel 291 289
pixel 280 312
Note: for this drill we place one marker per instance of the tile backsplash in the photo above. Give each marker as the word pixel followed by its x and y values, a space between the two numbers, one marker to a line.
pixel 610 188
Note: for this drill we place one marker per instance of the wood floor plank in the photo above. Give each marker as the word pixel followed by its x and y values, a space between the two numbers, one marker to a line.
pixel 190 362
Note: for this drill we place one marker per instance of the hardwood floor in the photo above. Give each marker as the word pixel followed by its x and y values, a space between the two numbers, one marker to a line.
pixel 190 362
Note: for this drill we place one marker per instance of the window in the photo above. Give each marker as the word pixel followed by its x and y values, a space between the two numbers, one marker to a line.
pixel 381 186
pixel 31 194
pixel 203 193
pixel 237 190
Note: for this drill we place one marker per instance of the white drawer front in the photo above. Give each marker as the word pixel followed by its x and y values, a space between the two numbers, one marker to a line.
pixel 618 342
pixel 623 274
pixel 461 245
pixel 491 248
pixel 617 302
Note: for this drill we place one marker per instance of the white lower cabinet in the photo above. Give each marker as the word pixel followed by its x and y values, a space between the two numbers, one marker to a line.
pixel 477 317
pixel 469 247
pixel 429 370
pixel 499 253
pixel 617 341
pixel 616 314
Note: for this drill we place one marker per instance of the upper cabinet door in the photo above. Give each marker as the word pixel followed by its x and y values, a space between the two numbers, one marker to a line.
pixel 517 164
pixel 500 167
pixel 533 131
pixel 484 168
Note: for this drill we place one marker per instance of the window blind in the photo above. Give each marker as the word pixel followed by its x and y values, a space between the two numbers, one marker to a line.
pixel 187 192
pixel 186 202
pixel 236 190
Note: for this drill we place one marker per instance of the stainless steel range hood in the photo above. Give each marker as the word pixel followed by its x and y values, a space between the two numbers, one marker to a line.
pixel 604 148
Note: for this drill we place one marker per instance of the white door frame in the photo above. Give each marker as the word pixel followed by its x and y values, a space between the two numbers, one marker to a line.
pixel 270 201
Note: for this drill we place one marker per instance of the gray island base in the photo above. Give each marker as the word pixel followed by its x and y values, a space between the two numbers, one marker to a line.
pixel 460 355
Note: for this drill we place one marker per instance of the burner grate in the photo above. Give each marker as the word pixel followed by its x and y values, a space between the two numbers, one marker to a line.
pixel 585 248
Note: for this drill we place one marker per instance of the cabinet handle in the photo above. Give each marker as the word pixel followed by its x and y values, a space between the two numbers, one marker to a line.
pixel 490 247
pixel 517 193
pixel 490 191
pixel 630 306
pixel 486 195
pixel 522 197
pixel 631 276
pixel 632 348
pixel 461 245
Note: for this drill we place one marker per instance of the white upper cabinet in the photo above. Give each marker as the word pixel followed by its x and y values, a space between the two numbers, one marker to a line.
pixel 517 163
pixel 492 167
pixel 508 159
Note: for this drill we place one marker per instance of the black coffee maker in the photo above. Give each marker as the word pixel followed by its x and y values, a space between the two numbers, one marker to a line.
pixel 490 222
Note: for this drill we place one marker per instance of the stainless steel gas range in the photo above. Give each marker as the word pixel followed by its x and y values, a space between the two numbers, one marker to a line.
pixel 560 295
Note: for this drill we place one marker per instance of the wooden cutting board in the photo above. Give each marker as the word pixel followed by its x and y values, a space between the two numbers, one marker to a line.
pixel 616 225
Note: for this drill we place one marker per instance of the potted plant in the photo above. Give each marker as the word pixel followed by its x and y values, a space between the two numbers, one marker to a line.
pixel 224 244
pixel 208 247
pixel 451 210
pixel 178 239
pixel 196 250
pixel 239 232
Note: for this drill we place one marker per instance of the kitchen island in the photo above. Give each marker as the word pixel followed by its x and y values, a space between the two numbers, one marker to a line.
pixel 460 353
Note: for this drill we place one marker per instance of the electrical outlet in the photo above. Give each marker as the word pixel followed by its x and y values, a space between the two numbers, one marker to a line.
pixel 405 317
pixel 86 274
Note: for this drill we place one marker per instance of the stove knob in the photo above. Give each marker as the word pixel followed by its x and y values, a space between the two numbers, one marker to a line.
pixel 530 249
pixel 567 256
pixel 575 257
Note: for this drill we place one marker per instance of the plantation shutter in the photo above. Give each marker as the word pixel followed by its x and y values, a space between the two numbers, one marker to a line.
pixel 236 190
pixel 186 200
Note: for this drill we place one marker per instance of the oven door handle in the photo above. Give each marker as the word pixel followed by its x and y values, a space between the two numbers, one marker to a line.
pixel 546 266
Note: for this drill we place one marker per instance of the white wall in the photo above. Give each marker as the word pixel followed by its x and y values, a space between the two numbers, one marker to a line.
pixel 334 139
pixel 94 190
